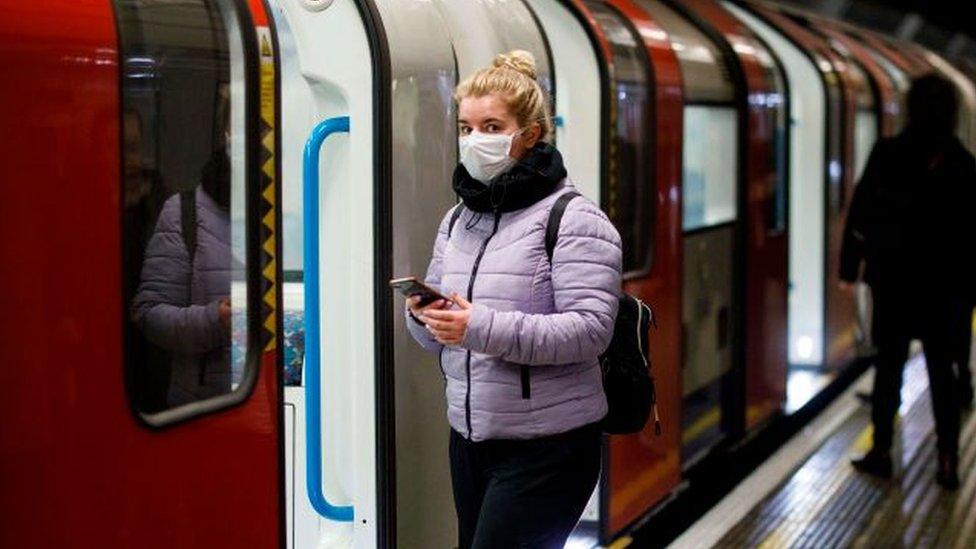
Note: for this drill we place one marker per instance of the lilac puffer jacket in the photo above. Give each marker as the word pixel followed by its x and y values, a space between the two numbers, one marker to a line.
pixel 556 320
pixel 176 305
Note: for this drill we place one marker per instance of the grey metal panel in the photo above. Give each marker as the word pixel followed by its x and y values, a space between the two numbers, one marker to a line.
pixel 424 134
pixel 428 42
pixel 706 76
pixel 706 310
pixel 481 29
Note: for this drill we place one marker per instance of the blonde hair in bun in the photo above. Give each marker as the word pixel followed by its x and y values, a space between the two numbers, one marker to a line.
pixel 512 76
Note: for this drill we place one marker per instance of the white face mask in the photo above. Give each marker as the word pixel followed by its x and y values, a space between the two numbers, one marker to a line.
pixel 485 155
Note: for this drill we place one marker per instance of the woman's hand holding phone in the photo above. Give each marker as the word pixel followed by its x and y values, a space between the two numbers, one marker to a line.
pixel 448 327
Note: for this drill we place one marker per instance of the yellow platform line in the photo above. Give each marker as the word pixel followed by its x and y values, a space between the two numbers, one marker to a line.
pixel 621 542
pixel 702 424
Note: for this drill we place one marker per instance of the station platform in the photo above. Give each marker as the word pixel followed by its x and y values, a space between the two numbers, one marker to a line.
pixel 808 495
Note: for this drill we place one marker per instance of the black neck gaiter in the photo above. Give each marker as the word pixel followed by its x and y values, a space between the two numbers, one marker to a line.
pixel 530 180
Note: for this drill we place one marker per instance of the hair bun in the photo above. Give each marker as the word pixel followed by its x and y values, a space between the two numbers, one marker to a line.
pixel 517 60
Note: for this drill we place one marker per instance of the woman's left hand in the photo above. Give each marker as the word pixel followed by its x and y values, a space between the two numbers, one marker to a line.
pixel 448 326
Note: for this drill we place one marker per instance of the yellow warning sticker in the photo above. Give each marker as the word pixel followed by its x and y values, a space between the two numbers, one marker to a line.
pixel 268 186
pixel 265 44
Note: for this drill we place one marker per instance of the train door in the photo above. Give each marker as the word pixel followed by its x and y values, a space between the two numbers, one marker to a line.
pixel 144 408
pixel 423 153
pixel 199 273
pixel 710 220
pixel 763 196
pixel 866 125
pixel 840 316
pixel 334 287
pixel 643 199
pixel 431 47
pixel 807 173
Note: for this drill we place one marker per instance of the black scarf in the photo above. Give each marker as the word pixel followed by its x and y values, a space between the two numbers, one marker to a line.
pixel 530 180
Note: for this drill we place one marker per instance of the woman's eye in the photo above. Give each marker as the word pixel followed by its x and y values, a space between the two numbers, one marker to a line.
pixel 465 130
pixel 492 128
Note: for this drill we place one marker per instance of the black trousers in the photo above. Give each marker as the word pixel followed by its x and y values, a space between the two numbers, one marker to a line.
pixel 963 343
pixel 523 493
pixel 899 318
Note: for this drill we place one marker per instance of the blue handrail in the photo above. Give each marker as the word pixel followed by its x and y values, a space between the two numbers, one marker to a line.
pixel 313 336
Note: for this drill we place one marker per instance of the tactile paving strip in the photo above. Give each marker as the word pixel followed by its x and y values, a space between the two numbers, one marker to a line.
pixel 825 503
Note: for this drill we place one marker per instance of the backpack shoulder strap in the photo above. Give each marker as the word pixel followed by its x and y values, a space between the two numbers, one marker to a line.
pixel 555 218
pixel 188 221
pixel 454 217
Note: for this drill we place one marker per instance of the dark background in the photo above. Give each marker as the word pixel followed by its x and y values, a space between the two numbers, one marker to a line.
pixel 945 26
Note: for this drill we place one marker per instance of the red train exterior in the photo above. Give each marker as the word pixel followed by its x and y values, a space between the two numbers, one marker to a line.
pixel 78 467
pixel 643 468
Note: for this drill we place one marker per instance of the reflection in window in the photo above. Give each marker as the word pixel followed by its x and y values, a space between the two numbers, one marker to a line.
pixel 184 200
pixel 710 166
pixel 630 188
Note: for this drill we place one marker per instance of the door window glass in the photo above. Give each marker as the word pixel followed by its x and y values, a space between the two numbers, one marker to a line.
pixel 630 186
pixel 185 262
pixel 710 166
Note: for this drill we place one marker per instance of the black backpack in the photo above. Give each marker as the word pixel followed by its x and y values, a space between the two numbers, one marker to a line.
pixel 627 380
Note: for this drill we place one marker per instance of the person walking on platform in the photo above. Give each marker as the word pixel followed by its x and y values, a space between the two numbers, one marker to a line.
pixel 520 338
pixel 911 221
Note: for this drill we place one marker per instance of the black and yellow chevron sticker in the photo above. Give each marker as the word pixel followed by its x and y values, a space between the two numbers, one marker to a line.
pixel 269 287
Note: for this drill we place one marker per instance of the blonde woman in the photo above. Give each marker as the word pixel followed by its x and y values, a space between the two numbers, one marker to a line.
pixel 520 341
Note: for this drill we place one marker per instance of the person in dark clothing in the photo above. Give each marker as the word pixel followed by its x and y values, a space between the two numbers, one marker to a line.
pixel 962 349
pixel 911 223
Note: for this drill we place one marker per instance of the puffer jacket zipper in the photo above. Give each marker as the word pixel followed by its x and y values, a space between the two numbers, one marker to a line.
pixel 467 366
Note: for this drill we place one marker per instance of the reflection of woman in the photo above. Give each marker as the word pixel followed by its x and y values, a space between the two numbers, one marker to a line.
pixel 519 354
pixel 182 303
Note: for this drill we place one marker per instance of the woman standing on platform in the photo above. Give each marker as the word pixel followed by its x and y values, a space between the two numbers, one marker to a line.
pixel 519 344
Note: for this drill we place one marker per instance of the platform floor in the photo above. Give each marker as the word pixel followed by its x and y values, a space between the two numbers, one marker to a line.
pixel 822 502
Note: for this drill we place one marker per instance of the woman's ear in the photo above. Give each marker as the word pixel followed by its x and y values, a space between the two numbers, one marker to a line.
pixel 532 135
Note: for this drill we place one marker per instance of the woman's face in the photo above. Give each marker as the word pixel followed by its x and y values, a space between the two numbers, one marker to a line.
pixel 489 114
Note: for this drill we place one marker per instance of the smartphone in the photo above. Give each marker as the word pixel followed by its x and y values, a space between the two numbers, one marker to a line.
pixel 410 286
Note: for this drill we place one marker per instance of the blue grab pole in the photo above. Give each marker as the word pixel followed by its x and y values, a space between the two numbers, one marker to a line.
pixel 313 336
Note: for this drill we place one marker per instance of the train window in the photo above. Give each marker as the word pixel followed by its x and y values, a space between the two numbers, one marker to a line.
pixel 710 166
pixel 630 183
pixel 190 337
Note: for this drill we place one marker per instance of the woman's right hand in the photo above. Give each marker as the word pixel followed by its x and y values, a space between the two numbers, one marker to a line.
pixel 414 301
